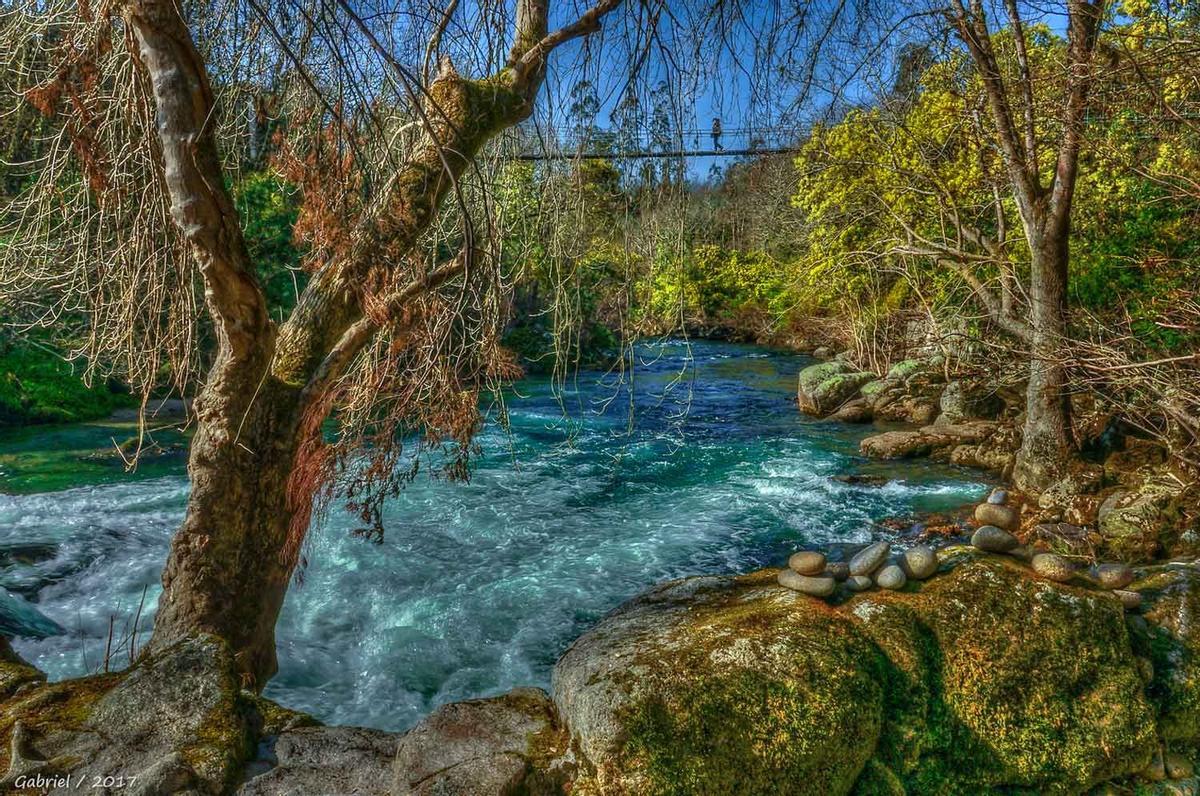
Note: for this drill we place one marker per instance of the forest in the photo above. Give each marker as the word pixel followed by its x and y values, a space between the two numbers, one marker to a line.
pixel 627 397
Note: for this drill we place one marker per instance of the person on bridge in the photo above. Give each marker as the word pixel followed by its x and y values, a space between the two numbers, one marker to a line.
pixel 716 134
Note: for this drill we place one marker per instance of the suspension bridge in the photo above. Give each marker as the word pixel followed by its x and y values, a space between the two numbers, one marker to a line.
pixel 613 145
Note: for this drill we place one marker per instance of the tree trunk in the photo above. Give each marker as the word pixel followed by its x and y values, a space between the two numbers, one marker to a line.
pixel 1046 441
pixel 228 570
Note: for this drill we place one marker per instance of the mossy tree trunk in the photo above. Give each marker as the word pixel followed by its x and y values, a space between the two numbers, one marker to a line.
pixel 230 565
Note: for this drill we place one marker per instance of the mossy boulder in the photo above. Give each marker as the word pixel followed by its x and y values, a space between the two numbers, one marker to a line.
pixel 905 369
pixel 1170 639
pixel 175 721
pixel 823 388
pixel 1135 525
pixel 982 679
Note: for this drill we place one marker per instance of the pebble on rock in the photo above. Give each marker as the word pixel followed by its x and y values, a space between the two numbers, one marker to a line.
pixel 994 540
pixel 838 570
pixel 920 562
pixel 1114 576
pixel 994 514
pixel 870 558
pixel 891 577
pixel 998 497
pixel 816 587
pixel 1052 566
pixel 1131 600
pixel 859 583
pixel 807 562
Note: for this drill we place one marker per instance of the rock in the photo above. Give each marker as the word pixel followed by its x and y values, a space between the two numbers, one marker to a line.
pixel 998 497
pixel 480 747
pixel 859 582
pixel 807 562
pixel 858 479
pixel 1023 553
pixel 994 540
pixel 1114 576
pixel 1177 765
pixel 920 562
pixel 1130 600
pixel 20 619
pixel 823 388
pixel 879 392
pixel 1004 517
pixel 326 760
pixel 1169 638
pixel 924 441
pixel 967 400
pixel 853 412
pixel 1145 669
pixel 838 570
pixel 1053 567
pixel 905 369
pixel 870 558
pixel 1157 770
pixel 897 445
pixel 173 721
pixel 1136 524
pixel 813 586
pixel 822 352
pixel 983 681
pixel 891 577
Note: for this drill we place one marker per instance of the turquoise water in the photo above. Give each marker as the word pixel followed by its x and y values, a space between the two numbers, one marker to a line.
pixel 477 587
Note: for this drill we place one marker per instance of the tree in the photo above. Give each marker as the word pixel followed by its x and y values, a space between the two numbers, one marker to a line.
pixel 1043 205
pixel 258 457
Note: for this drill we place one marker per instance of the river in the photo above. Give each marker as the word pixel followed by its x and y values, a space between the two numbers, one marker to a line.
pixel 477 587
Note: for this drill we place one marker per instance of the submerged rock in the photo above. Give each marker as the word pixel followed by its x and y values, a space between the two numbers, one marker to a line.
pixel 731 685
pixel 838 570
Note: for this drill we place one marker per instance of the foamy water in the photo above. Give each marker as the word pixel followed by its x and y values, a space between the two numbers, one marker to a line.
pixel 478 587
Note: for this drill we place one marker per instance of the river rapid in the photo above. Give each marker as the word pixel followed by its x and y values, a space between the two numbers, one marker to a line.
pixel 478 587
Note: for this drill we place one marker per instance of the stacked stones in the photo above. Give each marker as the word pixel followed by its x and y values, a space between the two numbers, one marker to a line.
pixel 995 536
pixel 809 572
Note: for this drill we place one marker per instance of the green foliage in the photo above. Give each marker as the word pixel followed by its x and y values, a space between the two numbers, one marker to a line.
pixel 268 208
pixel 38 386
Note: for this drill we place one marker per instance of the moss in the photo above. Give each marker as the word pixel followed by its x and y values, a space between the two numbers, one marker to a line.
pixel 52 708
pixel 1006 681
pixel 980 680
pixel 38 386
pixel 904 369
pixel 1171 607
pixel 772 718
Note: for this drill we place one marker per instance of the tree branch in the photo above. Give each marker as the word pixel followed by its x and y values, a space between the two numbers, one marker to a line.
pixel 200 205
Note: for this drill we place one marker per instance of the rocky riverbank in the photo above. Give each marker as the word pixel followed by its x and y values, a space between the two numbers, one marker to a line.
pixel 978 674
pixel 1123 499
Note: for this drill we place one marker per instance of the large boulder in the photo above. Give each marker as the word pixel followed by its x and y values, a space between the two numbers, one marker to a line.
pixel 983 680
pixel 173 722
pixel 484 747
pixel 823 388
